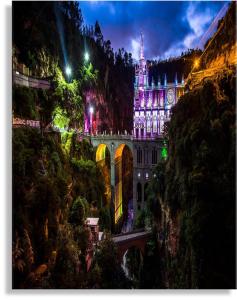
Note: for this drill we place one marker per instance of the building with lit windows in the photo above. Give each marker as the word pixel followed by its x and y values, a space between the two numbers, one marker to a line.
pixel 152 103
pixel 151 109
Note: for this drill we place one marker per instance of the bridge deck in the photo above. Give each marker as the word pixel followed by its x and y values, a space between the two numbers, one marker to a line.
pixel 130 236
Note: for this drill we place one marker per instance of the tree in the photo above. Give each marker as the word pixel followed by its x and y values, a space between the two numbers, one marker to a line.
pixel 111 271
pixel 98 34
pixel 78 211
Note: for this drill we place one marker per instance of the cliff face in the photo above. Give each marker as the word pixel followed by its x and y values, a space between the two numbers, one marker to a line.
pixel 197 208
pixel 220 50
pixel 56 185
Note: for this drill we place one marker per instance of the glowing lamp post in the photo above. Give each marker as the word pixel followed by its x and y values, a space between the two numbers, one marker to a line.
pixel 68 71
pixel 86 56
pixel 196 63
pixel 91 110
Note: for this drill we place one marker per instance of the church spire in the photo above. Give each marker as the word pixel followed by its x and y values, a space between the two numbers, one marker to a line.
pixel 141 47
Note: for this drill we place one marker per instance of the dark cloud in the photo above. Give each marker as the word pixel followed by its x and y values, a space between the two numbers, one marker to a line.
pixel 168 27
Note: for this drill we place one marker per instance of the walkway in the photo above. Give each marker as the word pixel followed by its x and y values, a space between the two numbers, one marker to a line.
pixel 130 236
pixel 136 239
pixel 23 80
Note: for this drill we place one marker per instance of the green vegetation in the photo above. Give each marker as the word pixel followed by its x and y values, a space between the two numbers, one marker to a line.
pixel 106 271
pixel 224 40
pixel 60 119
pixel 172 67
pixel 52 196
pixel 45 52
pixel 70 110
pixel 195 189
pixel 24 103
pixel 57 183
pixel 34 104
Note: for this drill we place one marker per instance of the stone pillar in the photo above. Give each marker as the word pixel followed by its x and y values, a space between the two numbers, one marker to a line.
pixel 145 127
pixel 134 182
pixel 112 178
pixel 143 184
pixel 134 194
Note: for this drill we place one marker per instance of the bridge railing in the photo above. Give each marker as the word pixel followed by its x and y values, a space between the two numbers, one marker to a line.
pixel 123 137
pixel 111 136
pixel 130 232
pixel 27 81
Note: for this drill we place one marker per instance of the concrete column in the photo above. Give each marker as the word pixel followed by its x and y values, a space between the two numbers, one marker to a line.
pixel 143 184
pixel 112 164
pixel 134 194
pixel 112 180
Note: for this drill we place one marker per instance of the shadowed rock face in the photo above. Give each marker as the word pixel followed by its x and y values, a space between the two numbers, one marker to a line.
pixel 199 199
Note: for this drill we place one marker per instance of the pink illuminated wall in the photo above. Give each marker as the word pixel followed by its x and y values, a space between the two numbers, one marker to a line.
pixel 152 104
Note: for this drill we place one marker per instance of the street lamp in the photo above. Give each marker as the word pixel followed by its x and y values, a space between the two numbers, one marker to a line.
pixel 68 71
pixel 86 56
pixel 91 110
pixel 196 63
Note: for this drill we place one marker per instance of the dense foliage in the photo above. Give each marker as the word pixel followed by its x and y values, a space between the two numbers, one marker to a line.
pixel 56 185
pixel 44 51
pixel 107 272
pixel 174 68
pixel 195 206
pixel 225 38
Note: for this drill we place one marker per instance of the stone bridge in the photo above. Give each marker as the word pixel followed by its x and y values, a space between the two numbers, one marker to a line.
pixel 145 155
pixel 136 239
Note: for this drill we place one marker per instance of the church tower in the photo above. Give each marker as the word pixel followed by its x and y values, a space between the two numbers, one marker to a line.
pixel 140 86
pixel 141 69
pixel 152 103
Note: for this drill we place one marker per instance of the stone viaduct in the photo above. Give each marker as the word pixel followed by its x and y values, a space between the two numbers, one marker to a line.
pixel 145 153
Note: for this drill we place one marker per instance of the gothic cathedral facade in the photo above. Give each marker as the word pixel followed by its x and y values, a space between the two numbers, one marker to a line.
pixel 152 103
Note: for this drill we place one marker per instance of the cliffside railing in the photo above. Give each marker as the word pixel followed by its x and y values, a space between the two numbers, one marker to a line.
pixel 23 80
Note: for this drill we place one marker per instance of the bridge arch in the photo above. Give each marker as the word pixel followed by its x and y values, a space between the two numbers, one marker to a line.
pixel 146 191
pixel 101 152
pixel 137 239
pixel 103 160
pixel 123 164
pixel 139 195
pixel 132 260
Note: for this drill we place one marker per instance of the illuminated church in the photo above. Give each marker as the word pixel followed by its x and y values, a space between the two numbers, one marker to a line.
pixel 152 103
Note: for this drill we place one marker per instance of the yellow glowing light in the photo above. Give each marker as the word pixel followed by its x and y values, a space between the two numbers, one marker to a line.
pixel 119 151
pixel 196 63
pixel 100 159
pixel 100 152
pixel 118 202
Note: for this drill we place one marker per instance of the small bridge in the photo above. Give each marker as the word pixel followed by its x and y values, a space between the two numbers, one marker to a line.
pixel 136 239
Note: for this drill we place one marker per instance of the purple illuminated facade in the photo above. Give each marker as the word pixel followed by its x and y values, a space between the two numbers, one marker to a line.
pixel 152 104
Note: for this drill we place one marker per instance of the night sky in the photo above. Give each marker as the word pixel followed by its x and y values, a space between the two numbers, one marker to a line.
pixel 168 27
